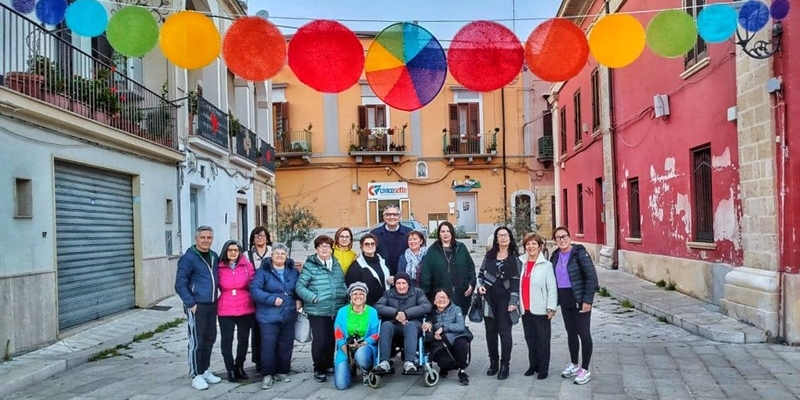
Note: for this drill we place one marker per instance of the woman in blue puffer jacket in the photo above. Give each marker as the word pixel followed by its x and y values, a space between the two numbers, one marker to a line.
pixel 272 290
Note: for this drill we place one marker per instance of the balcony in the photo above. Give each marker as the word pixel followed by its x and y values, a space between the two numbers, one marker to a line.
pixel 246 146
pixel 211 132
pixel 266 157
pixel 545 155
pixel 293 144
pixel 40 64
pixel 377 143
pixel 456 146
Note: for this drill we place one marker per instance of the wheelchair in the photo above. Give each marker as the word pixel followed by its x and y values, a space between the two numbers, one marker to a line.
pixel 424 365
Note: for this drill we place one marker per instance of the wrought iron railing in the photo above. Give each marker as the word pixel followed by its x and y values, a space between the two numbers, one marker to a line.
pixel 457 144
pixel 41 64
pixel 377 140
pixel 546 152
pixel 293 142
pixel 212 123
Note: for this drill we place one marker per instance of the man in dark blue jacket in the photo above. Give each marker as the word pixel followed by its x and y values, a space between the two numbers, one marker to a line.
pixel 196 284
pixel 392 238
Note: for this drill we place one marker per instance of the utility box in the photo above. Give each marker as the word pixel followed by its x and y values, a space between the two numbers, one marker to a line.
pixel 661 105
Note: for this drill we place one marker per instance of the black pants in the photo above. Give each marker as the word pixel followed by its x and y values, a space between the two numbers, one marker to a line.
pixel 500 326
pixel 459 358
pixel 202 334
pixel 323 343
pixel 537 338
pixel 242 324
pixel 578 326
pixel 255 344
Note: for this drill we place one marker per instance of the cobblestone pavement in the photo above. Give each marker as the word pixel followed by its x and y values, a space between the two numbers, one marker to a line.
pixel 636 356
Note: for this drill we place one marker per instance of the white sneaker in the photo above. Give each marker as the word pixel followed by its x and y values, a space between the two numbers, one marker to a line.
pixel 266 383
pixel 199 383
pixel 409 367
pixel 570 371
pixel 583 377
pixel 282 378
pixel 211 378
pixel 383 366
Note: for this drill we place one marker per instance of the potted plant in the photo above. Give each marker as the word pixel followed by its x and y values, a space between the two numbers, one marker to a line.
pixel 234 126
pixel 491 148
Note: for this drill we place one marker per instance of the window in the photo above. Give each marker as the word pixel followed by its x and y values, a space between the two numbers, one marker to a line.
pixel 168 212
pixel 701 189
pixel 280 117
pixel 262 216
pixel 580 208
pixel 576 104
pixel 464 119
pixel 547 123
pixel 23 198
pixel 634 214
pixel 595 100
pixel 563 130
pixel 566 208
pixel 699 51
pixel 193 208
pixel 372 116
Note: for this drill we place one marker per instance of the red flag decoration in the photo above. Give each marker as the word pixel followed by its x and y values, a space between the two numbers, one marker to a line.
pixel 484 56
pixel 326 55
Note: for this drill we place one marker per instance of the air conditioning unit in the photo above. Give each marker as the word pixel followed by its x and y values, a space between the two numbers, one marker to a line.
pixel 661 105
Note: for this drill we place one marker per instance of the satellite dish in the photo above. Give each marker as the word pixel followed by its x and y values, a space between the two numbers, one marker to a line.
pixel 263 14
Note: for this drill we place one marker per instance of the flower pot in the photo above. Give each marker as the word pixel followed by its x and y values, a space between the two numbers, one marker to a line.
pixel 80 108
pixel 59 100
pixel 26 83
pixel 102 117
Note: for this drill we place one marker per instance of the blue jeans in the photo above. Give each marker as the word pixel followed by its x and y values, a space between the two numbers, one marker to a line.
pixel 364 358
pixel 410 334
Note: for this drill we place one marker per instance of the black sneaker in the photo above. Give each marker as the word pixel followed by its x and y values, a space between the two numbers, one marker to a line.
pixel 443 374
pixel 463 378
pixel 320 377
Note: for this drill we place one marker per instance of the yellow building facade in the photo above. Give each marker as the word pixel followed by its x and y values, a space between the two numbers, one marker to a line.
pixel 466 157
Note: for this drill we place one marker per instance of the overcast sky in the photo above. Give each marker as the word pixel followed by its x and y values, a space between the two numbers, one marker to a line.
pixel 443 18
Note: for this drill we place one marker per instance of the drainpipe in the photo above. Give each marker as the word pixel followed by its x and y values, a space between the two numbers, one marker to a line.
pixel 178 186
pixel 505 175
pixel 614 186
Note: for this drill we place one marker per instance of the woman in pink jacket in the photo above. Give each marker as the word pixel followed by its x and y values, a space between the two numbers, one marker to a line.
pixel 235 307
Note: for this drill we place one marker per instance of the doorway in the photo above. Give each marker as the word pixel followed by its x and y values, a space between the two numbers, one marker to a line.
pixel 466 211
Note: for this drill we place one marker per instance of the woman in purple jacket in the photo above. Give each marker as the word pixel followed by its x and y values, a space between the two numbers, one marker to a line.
pixel 576 279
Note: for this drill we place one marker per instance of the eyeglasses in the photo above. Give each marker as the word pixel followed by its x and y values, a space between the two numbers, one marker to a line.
pixel 344 237
pixel 261 235
pixel 230 250
pixel 562 237
pixel 395 215
pixel 369 244
pixel 324 246
pixel 502 235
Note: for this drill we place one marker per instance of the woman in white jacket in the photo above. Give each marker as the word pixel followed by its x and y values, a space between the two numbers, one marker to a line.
pixel 538 299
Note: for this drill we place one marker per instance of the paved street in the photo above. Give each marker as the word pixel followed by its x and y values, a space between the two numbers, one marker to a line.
pixel 636 357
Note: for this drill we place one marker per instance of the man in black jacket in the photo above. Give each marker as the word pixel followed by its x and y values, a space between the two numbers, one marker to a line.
pixel 392 237
pixel 401 308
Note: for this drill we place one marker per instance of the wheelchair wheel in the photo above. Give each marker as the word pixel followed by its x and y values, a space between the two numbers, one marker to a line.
pixel 374 380
pixel 431 378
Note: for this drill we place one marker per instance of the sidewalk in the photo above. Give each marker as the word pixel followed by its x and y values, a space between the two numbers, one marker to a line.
pixel 691 314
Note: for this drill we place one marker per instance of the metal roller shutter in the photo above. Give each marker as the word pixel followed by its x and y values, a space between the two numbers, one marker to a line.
pixel 94 243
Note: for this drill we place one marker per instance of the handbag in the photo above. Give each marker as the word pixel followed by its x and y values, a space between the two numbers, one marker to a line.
pixel 302 328
pixel 475 313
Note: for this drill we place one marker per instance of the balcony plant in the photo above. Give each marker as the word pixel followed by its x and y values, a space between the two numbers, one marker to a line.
pixel 491 148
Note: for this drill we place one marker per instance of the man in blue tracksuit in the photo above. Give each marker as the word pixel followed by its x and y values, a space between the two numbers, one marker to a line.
pixel 196 284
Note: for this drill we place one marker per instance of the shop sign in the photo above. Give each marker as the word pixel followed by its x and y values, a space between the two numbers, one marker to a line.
pixel 387 190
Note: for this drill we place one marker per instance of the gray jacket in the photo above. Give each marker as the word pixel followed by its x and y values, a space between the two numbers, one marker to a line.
pixel 414 304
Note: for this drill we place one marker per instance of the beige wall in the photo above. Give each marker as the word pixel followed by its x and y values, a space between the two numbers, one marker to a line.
pixel 30 323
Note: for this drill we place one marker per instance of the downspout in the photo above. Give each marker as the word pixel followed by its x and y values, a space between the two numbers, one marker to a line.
pixel 178 187
pixel 505 176
pixel 612 132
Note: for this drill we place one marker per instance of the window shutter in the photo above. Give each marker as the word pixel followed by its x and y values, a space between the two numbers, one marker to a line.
pixel 380 116
pixel 362 117
pixel 276 117
pixel 473 119
pixel 453 119
pixel 547 123
pixel 285 116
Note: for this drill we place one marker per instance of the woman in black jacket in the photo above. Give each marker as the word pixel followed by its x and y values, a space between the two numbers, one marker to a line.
pixel 370 268
pixel 576 279
pixel 499 284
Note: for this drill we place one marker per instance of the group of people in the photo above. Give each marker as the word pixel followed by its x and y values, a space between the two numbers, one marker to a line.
pixel 529 287
pixel 361 307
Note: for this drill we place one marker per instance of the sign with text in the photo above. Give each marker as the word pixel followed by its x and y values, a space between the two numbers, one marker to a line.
pixel 387 190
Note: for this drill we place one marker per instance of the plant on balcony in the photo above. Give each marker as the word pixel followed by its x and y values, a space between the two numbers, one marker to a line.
pixel 191 100
pixel 234 126
pixel 51 71
pixel 106 98
pixel 491 148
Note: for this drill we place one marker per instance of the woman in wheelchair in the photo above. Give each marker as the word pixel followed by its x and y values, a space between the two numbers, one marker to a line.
pixel 356 330
pixel 447 337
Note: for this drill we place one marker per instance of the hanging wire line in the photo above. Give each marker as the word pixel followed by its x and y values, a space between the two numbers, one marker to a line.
pixel 418 21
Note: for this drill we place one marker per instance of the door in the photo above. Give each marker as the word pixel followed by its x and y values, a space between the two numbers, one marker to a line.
pixel 94 243
pixel 241 217
pixel 466 211
pixel 599 206
pixel 375 210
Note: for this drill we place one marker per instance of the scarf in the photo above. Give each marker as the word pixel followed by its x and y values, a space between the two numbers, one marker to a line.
pixel 413 261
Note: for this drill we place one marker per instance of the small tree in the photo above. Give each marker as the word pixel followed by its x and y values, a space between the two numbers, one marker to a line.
pixel 296 222
pixel 520 220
